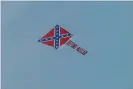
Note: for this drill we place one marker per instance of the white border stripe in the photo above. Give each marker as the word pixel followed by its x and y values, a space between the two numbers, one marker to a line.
pixel 54 36
pixel 59 36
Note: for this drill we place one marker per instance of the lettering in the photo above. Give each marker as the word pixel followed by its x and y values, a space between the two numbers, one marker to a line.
pixel 75 46
pixel 81 50
pixel 72 44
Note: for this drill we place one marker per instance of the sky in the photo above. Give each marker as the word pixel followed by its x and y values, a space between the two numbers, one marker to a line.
pixel 104 29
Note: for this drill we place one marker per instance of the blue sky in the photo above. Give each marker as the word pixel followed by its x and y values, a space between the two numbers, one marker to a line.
pixel 102 28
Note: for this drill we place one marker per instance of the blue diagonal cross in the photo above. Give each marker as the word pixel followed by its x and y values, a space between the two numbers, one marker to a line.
pixel 56 38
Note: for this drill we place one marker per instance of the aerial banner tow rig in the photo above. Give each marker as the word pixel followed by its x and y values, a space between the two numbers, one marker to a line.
pixel 58 36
